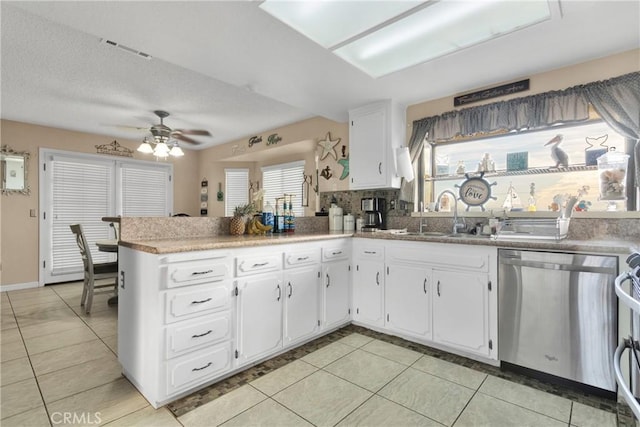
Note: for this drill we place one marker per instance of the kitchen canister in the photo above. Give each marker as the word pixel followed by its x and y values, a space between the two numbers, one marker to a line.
pixel 335 218
pixel 348 223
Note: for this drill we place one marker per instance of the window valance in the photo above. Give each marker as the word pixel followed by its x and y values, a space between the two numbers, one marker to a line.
pixel 617 100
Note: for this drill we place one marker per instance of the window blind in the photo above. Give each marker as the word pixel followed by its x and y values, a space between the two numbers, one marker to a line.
pixel 145 190
pixel 286 178
pixel 236 189
pixel 82 193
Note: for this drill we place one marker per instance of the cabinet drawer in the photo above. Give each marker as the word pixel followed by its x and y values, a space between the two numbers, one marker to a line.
pixel 196 368
pixel 301 257
pixel 204 299
pixel 335 252
pixel 258 264
pixel 372 252
pixel 194 273
pixel 188 336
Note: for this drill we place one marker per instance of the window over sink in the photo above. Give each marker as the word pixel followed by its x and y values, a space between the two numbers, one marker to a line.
pixel 532 170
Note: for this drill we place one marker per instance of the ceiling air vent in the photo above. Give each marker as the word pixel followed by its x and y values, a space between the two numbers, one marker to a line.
pixel 126 48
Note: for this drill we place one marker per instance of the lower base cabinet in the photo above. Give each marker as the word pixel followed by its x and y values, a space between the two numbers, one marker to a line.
pixel 336 289
pixel 259 316
pixel 460 311
pixel 301 304
pixel 408 300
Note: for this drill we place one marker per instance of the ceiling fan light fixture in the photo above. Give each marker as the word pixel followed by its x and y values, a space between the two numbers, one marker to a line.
pixel 161 150
pixel 145 147
pixel 176 151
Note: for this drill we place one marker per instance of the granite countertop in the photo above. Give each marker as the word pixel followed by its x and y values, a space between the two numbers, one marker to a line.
pixel 613 246
pixel 188 244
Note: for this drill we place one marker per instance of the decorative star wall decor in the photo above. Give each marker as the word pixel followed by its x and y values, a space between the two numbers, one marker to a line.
pixel 328 147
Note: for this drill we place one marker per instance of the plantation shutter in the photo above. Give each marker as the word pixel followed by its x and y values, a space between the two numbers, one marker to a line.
pixel 282 179
pixel 145 190
pixel 236 189
pixel 82 193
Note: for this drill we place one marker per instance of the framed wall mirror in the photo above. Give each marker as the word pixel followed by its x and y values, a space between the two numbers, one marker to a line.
pixel 13 170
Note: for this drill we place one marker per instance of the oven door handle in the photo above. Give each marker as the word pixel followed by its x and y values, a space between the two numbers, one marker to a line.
pixel 624 389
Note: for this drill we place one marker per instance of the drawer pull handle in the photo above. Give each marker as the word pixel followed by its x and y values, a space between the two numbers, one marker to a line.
pixel 204 367
pixel 336 253
pixel 370 252
pixel 196 273
pixel 202 335
pixel 303 258
pixel 201 301
pixel 259 264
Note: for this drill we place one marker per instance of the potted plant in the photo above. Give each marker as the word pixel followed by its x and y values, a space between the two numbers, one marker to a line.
pixel 240 214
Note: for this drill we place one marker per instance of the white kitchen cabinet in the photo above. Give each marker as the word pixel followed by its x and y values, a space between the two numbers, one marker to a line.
pixel 336 288
pixel 301 303
pixel 368 283
pixel 375 131
pixel 408 299
pixel 174 321
pixel 259 316
pixel 336 283
pixel 460 310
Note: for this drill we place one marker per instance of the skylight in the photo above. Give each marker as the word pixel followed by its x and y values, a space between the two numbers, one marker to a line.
pixel 381 37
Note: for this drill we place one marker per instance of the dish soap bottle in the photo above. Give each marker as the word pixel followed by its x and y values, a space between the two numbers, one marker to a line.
pixel 267 215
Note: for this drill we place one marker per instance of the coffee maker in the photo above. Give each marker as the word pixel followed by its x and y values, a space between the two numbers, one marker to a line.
pixel 374 213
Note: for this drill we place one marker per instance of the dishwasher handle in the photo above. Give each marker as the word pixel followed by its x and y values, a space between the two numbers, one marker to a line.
pixel 555 266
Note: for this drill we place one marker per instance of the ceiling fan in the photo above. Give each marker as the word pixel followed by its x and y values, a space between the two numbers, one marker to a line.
pixel 163 132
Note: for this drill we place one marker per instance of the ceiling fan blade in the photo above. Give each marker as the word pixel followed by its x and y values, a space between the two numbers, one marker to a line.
pixel 127 127
pixel 200 132
pixel 185 138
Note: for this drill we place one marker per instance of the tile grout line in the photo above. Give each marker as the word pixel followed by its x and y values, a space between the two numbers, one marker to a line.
pixel 35 377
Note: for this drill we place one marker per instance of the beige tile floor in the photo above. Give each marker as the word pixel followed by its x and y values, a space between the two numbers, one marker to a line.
pixel 59 367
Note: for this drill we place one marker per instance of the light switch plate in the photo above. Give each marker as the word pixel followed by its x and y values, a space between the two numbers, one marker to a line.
pixel 32 213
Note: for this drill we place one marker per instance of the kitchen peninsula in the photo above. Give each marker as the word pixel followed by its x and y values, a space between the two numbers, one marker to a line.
pixel 197 305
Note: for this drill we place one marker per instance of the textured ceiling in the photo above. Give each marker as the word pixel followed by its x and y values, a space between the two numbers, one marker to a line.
pixel 230 68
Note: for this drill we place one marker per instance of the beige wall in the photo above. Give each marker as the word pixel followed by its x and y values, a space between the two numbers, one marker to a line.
pixel 298 143
pixel 20 232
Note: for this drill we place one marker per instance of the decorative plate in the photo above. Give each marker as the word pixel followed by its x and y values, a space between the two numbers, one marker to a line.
pixel 475 191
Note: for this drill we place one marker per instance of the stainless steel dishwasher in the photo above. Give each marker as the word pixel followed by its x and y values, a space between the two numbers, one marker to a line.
pixel 558 314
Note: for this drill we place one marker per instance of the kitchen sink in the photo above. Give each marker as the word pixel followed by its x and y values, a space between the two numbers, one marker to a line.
pixel 447 235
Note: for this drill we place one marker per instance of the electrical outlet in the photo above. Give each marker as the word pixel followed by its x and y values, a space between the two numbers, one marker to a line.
pixel 32 213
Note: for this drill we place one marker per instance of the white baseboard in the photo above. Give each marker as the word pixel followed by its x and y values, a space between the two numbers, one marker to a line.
pixel 18 286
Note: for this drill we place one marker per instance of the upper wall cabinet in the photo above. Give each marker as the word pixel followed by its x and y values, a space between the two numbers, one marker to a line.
pixel 375 131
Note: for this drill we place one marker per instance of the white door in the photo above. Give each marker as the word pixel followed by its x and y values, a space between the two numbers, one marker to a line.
pixel 335 276
pixel 460 310
pixel 368 292
pixel 84 188
pixel 301 303
pixel 408 300
pixel 259 316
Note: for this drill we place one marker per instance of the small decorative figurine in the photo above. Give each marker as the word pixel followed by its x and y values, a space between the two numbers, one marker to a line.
pixel 460 167
pixel 557 154
pixel 486 164
pixel 532 198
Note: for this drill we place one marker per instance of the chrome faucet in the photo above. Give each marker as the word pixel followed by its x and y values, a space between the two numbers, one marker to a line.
pixel 456 224
pixel 423 224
